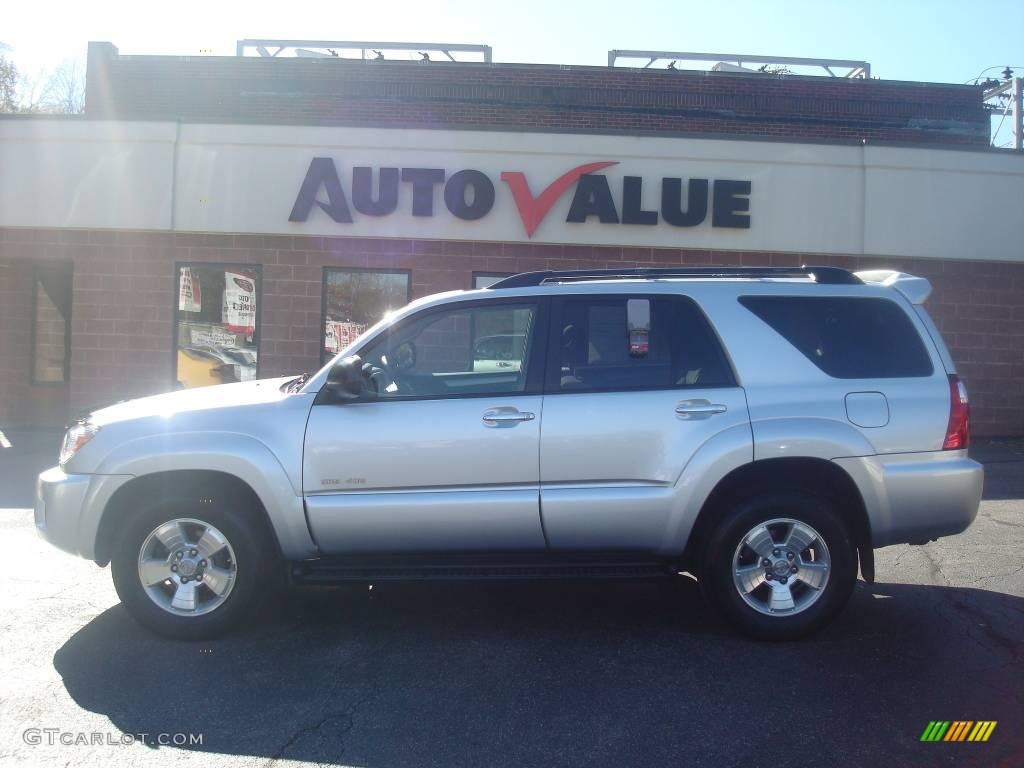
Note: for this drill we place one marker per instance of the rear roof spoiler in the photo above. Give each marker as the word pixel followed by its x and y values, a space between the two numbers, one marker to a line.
pixel 916 289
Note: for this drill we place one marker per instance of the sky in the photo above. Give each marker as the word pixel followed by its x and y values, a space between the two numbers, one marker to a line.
pixel 929 40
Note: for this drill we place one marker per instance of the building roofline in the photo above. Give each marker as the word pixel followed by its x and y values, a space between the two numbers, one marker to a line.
pixel 111 51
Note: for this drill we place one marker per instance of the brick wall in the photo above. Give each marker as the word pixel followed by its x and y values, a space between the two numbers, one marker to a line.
pixel 527 97
pixel 15 350
pixel 124 288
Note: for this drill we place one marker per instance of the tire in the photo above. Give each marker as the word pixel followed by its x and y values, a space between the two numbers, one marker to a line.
pixel 226 588
pixel 737 557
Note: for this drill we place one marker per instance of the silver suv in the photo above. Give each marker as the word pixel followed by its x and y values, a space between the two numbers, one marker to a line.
pixel 762 429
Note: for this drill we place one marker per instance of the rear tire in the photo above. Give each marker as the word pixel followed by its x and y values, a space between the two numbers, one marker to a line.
pixel 192 568
pixel 781 565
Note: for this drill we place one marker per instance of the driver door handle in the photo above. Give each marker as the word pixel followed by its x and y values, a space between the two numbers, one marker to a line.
pixel 498 417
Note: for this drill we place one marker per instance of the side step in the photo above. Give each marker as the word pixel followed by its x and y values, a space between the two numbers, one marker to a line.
pixel 334 571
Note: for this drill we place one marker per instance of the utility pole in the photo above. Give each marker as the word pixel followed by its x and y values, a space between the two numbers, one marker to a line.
pixel 1018 113
pixel 1006 98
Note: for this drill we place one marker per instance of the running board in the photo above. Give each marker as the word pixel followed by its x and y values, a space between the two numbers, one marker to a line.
pixel 340 571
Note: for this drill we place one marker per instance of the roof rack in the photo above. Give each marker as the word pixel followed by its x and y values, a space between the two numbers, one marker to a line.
pixel 824 275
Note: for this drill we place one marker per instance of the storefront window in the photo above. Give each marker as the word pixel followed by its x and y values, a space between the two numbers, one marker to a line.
pixel 356 299
pixel 487 279
pixel 51 323
pixel 217 324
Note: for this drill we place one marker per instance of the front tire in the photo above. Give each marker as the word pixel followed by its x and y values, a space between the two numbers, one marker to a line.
pixel 192 568
pixel 781 565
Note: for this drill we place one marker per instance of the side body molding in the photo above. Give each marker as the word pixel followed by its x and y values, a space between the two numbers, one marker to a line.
pixel 245 457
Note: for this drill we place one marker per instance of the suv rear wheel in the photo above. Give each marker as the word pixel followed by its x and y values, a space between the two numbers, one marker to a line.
pixel 780 566
pixel 191 568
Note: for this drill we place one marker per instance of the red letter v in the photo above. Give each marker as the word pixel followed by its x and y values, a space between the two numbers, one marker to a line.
pixel 532 210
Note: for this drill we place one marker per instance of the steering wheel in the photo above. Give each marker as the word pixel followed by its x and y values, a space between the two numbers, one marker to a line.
pixel 402 360
pixel 376 377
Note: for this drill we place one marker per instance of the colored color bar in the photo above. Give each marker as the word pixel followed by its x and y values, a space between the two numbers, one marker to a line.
pixel 958 730
pixel 954 730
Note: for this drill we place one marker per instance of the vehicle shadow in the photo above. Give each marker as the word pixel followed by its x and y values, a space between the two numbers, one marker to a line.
pixel 567 674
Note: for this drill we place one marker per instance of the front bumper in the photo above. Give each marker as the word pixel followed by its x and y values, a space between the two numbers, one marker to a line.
pixel 912 498
pixel 68 508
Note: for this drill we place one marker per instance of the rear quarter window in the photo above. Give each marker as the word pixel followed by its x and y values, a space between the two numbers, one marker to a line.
pixel 847 337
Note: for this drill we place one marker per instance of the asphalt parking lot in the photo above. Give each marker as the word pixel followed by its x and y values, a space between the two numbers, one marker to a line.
pixel 548 674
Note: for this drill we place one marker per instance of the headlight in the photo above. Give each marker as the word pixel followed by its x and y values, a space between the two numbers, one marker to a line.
pixel 80 434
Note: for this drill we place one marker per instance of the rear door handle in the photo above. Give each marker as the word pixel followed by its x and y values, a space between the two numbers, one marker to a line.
pixel 699 409
pixel 497 417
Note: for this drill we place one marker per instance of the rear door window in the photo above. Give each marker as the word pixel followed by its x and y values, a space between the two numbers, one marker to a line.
pixel 847 337
pixel 608 343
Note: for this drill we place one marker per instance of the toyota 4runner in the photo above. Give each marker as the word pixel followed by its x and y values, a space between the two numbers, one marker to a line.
pixel 761 429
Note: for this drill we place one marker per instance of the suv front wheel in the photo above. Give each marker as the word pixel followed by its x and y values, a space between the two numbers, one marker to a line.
pixel 191 568
pixel 781 565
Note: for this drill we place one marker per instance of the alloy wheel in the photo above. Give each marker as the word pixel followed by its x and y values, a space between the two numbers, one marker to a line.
pixel 781 567
pixel 187 567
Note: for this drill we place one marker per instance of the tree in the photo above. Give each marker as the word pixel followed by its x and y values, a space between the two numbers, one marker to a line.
pixel 64 91
pixel 8 83
pixel 58 91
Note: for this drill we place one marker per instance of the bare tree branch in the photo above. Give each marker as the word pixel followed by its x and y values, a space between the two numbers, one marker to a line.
pixel 58 91
pixel 64 91
pixel 8 82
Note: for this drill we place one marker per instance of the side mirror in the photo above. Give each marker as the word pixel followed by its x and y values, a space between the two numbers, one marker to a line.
pixel 345 379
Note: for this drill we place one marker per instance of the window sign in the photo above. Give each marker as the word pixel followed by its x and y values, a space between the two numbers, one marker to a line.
pixel 189 296
pixel 240 302
pixel 217 322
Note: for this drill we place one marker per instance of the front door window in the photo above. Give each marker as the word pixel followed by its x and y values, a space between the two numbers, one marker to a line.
pixel 463 350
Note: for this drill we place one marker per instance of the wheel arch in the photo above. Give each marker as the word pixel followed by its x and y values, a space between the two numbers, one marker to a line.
pixel 159 485
pixel 800 473
pixel 241 462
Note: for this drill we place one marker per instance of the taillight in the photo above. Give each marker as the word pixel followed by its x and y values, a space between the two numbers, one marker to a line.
pixel 958 433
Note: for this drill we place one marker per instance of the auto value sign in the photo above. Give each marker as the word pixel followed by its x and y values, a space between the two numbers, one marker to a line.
pixel 471 194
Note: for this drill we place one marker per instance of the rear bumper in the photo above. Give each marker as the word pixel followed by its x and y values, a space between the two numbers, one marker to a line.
pixel 68 508
pixel 912 498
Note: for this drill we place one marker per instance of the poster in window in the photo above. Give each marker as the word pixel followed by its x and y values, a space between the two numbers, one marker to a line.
pixel 338 335
pixel 190 296
pixel 239 302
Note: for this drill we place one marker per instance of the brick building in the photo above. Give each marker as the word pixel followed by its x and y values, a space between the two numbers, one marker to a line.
pixel 213 219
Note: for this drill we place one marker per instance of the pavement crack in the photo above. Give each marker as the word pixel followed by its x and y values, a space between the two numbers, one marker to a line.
pixel 934 567
pixel 344 718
